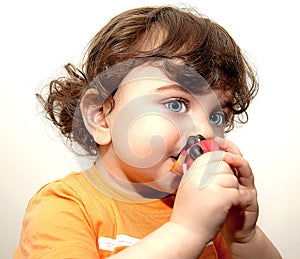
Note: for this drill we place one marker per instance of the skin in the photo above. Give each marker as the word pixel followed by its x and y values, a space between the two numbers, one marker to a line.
pixel 163 113
pixel 227 203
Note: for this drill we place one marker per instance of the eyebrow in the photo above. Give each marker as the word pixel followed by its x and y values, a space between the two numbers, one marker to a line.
pixel 175 87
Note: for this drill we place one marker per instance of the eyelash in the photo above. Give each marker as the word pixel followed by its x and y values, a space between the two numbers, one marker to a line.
pixel 186 104
pixel 180 100
pixel 223 120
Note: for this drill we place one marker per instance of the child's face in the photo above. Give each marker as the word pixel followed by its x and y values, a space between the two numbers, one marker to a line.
pixel 151 122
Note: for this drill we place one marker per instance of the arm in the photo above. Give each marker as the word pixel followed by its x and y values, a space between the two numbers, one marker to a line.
pixel 169 241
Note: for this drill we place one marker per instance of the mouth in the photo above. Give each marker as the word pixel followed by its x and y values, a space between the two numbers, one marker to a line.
pixel 175 158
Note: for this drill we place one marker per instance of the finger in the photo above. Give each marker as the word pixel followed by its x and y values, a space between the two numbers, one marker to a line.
pixel 228 146
pixel 245 175
pixel 208 158
pixel 205 167
pixel 206 173
pixel 227 181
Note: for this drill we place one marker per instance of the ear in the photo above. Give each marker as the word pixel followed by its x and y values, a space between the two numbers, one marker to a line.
pixel 94 117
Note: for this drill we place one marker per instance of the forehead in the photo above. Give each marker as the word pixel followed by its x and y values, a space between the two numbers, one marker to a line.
pixel 168 72
pixel 155 76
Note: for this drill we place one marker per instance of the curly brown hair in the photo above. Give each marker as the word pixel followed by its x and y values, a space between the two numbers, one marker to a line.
pixel 130 39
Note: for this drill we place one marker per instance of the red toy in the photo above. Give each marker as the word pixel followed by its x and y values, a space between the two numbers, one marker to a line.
pixel 195 147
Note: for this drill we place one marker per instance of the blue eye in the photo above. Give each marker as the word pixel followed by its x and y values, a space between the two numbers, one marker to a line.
pixel 217 118
pixel 177 105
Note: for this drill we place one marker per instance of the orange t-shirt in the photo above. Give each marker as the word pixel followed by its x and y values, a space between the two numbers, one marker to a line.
pixel 72 218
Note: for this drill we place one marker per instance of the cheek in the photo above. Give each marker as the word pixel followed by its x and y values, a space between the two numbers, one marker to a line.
pixel 148 140
pixel 152 134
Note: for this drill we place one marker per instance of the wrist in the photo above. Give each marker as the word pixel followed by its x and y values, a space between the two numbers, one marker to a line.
pixel 193 242
pixel 256 245
pixel 238 247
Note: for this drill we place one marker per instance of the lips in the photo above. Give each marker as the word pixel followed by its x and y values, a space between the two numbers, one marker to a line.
pixel 195 147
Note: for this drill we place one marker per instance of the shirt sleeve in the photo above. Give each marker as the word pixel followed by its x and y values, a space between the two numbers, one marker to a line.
pixel 56 225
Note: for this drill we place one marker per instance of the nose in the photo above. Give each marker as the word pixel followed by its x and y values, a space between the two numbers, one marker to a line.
pixel 200 124
pixel 204 128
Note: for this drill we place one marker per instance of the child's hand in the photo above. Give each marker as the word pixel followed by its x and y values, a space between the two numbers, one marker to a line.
pixel 206 195
pixel 240 225
pixel 211 197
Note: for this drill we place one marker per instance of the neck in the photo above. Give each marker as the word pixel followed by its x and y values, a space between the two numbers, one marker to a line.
pixel 122 184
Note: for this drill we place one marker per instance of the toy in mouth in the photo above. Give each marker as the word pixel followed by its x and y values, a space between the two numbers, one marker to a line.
pixel 195 147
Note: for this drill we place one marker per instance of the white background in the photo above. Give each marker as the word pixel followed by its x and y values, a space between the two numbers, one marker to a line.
pixel 38 37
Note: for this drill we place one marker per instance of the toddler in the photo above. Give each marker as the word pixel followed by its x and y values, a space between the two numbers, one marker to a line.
pixel 153 79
